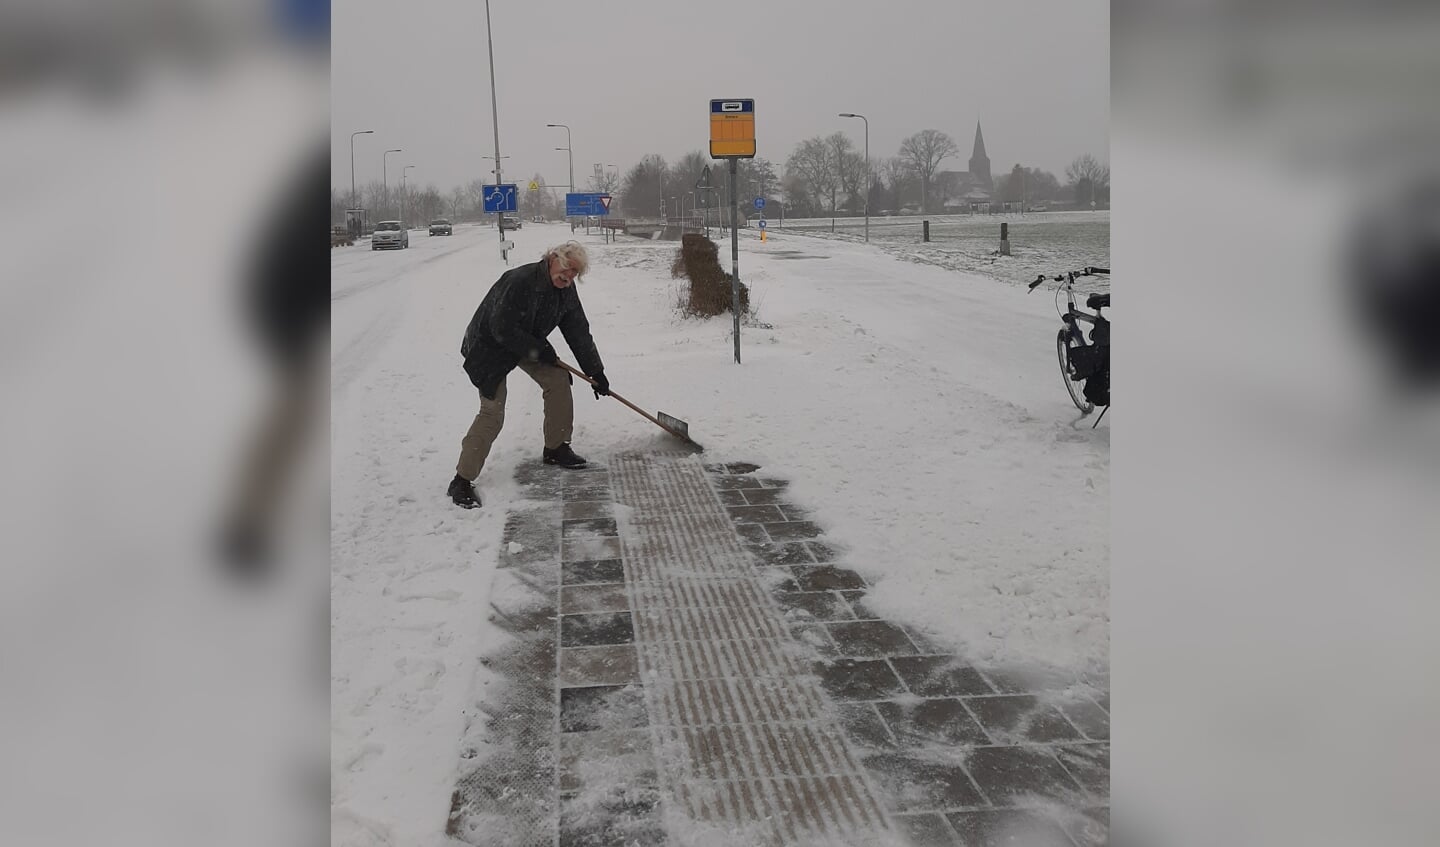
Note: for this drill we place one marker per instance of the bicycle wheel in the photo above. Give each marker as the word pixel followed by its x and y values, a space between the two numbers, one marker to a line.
pixel 1063 342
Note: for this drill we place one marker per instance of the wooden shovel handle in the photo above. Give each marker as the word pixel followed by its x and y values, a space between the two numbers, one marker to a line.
pixel 637 409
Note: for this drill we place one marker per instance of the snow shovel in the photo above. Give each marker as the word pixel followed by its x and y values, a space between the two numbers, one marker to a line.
pixel 669 423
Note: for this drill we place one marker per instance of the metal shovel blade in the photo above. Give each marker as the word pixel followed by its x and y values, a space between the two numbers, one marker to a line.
pixel 673 423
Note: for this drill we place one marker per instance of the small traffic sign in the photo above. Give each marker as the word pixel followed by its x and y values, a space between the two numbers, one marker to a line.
pixel 534 186
pixel 759 202
pixel 605 201
pixel 762 223
pixel 499 198
pixel 704 181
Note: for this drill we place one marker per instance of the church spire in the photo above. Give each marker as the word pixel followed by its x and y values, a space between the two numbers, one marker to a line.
pixel 979 162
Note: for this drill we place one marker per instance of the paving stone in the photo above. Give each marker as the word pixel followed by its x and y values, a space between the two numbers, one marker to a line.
pixel 917 723
pixel 1089 827
pixel 827 578
pixel 1013 719
pixel 607 707
pixel 1027 680
pixel 731 483
pixel 589 526
pixel 859 679
pixel 733 497
pixel 775 483
pixel 614 665
pixel 777 579
pixel 870 639
pixel 592 571
pixel 929 829
pixel 856 599
pixel 939 676
pixel 596 630
pixel 1089 764
pixel 580 549
pixel 864 727
pixel 593 758
pixel 788 553
pixel 1088 717
pixel 1007 828
pixel 915 783
pixel 821 551
pixel 628 817
pixel 925 642
pixel 1021 776
pixel 580 599
pixel 793 513
pixel 814 637
pixel 754 514
pixel 752 533
pixel 813 605
pixel 792 530
pixel 762 496
pixel 587 510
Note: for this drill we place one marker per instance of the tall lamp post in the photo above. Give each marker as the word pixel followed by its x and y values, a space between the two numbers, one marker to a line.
pixel 404 172
pixel 354 197
pixel 571 153
pixel 867 169
pixel 385 168
pixel 495 121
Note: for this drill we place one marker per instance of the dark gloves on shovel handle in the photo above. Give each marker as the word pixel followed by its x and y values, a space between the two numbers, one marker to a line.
pixel 601 385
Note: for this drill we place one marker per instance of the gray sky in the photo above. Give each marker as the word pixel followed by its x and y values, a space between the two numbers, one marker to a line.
pixel 632 77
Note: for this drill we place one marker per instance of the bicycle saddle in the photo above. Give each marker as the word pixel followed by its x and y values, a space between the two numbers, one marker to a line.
pixel 1098 301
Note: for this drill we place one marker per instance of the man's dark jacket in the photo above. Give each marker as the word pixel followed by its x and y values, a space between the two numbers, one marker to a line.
pixel 513 321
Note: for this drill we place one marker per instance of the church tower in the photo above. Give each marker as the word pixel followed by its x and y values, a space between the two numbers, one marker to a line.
pixel 979 162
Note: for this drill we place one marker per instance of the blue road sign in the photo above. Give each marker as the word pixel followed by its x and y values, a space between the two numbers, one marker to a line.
pixel 759 202
pixel 762 223
pixel 500 198
pixel 581 204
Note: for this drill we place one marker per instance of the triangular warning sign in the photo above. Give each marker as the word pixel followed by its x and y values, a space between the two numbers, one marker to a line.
pixel 534 186
pixel 605 201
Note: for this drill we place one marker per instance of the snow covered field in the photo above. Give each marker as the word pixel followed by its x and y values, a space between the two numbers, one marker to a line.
pixel 917 412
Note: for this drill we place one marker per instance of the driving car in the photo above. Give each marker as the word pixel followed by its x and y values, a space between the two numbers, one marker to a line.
pixel 390 234
pixel 511 221
pixel 440 226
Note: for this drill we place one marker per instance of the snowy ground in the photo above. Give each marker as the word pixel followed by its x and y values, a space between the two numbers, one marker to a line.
pixel 917 412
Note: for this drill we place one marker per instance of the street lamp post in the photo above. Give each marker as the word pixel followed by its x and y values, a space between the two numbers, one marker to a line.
pixel 354 197
pixel 867 169
pixel 385 168
pixel 404 172
pixel 495 121
pixel 571 153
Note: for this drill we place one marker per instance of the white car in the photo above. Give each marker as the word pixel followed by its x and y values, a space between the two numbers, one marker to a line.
pixel 390 234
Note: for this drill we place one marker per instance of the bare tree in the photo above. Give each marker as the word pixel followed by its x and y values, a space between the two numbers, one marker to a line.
pixel 923 152
pixel 1088 179
pixel 644 186
pixel 815 166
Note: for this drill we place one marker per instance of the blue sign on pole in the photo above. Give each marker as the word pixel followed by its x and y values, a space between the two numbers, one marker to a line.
pixel 759 202
pixel 500 198
pixel 582 204
pixel 762 223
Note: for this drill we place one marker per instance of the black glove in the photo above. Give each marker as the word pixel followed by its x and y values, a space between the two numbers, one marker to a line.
pixel 601 386
pixel 546 355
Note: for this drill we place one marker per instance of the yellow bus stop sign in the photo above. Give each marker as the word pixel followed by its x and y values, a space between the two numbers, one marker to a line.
pixel 732 129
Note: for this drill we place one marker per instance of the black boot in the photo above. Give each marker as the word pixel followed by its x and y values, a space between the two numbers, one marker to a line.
pixel 463 493
pixel 564 457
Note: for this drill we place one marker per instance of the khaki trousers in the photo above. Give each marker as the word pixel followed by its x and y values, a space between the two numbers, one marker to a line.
pixel 554 385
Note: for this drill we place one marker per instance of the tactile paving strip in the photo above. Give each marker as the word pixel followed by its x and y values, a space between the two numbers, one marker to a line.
pixel 741 728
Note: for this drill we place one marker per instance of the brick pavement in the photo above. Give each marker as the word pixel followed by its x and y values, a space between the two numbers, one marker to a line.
pixel 687 660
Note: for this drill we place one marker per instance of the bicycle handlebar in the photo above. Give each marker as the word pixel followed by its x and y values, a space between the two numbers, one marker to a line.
pixel 1085 271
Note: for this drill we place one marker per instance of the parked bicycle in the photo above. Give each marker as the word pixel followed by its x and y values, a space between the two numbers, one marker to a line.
pixel 1084 364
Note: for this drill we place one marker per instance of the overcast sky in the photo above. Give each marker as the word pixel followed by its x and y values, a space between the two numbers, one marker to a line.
pixel 633 77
